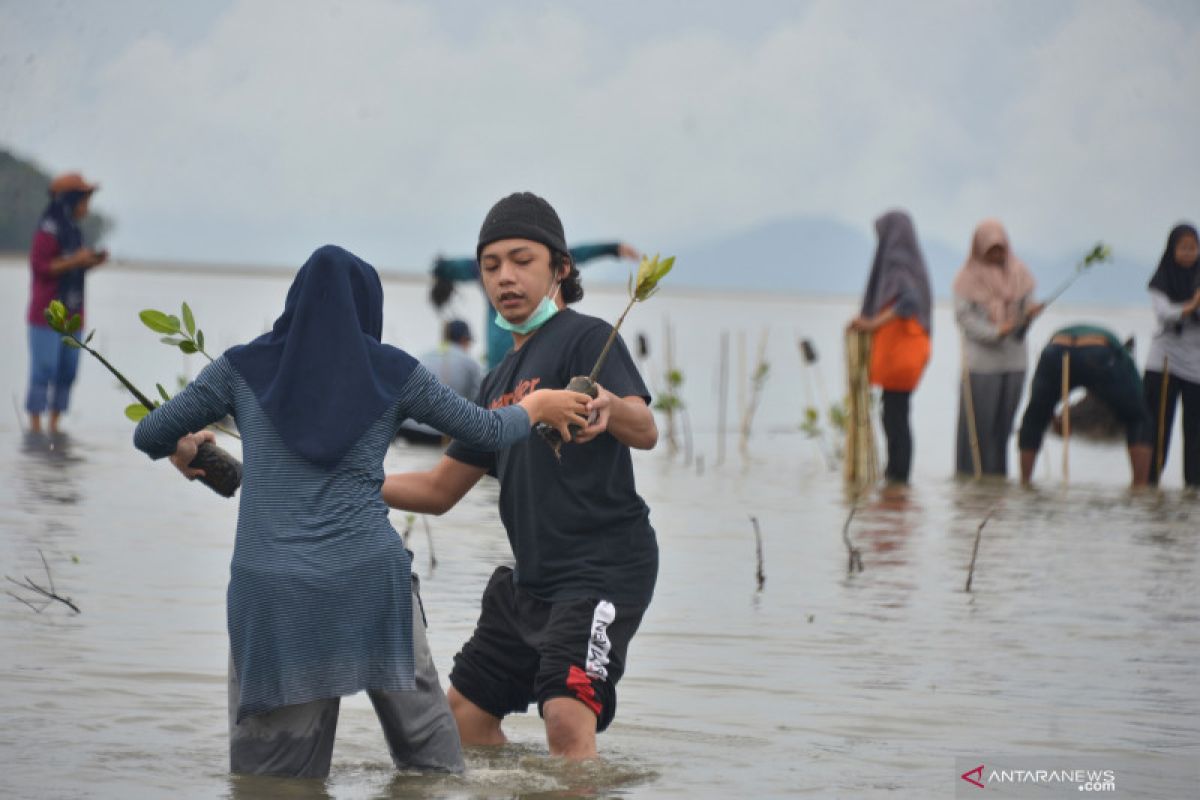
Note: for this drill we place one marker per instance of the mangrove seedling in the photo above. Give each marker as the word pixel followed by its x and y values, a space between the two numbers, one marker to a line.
pixel 187 337
pixel 1097 255
pixel 758 380
pixel 223 472
pixel 650 272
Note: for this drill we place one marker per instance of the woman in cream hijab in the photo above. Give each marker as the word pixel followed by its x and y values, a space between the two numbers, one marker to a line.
pixel 993 305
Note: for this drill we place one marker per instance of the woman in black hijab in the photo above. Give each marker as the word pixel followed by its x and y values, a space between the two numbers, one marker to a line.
pixel 1173 366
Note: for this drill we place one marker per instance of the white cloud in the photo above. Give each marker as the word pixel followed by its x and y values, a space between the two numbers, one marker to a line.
pixel 381 125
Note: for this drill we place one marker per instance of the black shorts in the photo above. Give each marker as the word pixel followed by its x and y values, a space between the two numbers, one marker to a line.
pixel 526 649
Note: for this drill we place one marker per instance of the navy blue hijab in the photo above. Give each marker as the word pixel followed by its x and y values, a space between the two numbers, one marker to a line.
pixel 321 375
pixel 898 268
pixel 59 219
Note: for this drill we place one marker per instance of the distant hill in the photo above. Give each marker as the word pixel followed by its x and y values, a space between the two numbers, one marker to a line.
pixel 822 255
pixel 23 197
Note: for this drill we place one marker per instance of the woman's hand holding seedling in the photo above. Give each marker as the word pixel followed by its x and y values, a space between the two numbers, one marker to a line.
pixel 558 408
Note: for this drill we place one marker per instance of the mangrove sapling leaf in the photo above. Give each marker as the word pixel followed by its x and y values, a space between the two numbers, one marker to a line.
pixel 136 412
pixel 189 321
pixel 158 322
pixel 162 392
pixel 189 339
pixel 650 272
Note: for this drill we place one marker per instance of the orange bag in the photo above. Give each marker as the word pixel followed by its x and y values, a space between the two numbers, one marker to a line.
pixel 899 352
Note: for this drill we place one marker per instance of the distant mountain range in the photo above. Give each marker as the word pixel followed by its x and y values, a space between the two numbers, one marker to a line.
pixel 821 255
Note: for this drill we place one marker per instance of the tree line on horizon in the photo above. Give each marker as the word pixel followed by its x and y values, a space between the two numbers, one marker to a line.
pixel 24 192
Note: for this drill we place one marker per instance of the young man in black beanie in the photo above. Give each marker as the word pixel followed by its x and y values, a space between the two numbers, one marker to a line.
pixel 555 630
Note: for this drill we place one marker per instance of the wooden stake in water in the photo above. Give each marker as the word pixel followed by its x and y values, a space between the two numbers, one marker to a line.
pixel 975 549
pixel 855 557
pixel 1066 415
pixel 722 396
pixel 969 406
pixel 759 575
pixel 1162 423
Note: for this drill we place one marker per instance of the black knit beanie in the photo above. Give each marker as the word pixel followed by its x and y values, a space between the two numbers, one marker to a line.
pixel 523 215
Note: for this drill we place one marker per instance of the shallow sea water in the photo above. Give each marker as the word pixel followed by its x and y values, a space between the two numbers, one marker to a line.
pixel 1080 641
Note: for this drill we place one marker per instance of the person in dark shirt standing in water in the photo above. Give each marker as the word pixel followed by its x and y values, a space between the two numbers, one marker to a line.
pixel 555 630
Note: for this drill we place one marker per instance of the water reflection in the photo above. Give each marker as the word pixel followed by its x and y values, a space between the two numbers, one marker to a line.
pixel 887 522
pixel 49 470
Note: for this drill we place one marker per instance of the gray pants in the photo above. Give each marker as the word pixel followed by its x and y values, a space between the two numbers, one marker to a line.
pixel 297 741
pixel 995 397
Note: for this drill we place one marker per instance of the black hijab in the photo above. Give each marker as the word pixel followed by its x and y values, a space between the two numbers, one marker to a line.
pixel 1177 282
pixel 321 374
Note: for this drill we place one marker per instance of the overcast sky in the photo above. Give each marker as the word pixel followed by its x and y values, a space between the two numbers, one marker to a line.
pixel 252 131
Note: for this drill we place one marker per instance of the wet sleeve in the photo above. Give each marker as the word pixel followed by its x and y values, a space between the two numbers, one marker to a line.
pixel 619 374
pixel 457 270
pixel 587 252
pixel 205 400
pixel 428 400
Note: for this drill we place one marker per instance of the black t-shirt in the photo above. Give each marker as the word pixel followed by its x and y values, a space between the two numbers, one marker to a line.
pixel 578 527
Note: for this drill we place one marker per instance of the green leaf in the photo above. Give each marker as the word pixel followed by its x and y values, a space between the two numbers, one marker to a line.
pixel 162 392
pixel 71 341
pixel 171 340
pixel 88 340
pixel 199 340
pixel 159 322
pixel 187 347
pixel 136 411
pixel 189 321
pixel 74 324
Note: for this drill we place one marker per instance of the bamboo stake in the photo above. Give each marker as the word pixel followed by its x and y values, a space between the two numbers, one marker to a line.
pixel 741 378
pixel 1066 415
pixel 862 462
pixel 722 396
pixel 1162 423
pixel 969 402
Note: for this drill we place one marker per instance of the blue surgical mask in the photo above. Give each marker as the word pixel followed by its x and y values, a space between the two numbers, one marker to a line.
pixel 541 315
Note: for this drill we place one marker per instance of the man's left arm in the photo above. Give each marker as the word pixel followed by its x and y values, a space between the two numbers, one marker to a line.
pixel 628 419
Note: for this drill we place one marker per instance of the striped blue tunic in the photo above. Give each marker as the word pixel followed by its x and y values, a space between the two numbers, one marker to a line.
pixel 319 598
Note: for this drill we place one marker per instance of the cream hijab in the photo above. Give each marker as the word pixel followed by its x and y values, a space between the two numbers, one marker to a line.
pixel 998 288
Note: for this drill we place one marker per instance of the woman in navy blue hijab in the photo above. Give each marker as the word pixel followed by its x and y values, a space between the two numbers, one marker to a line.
pixel 321 599
pixel 58 261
